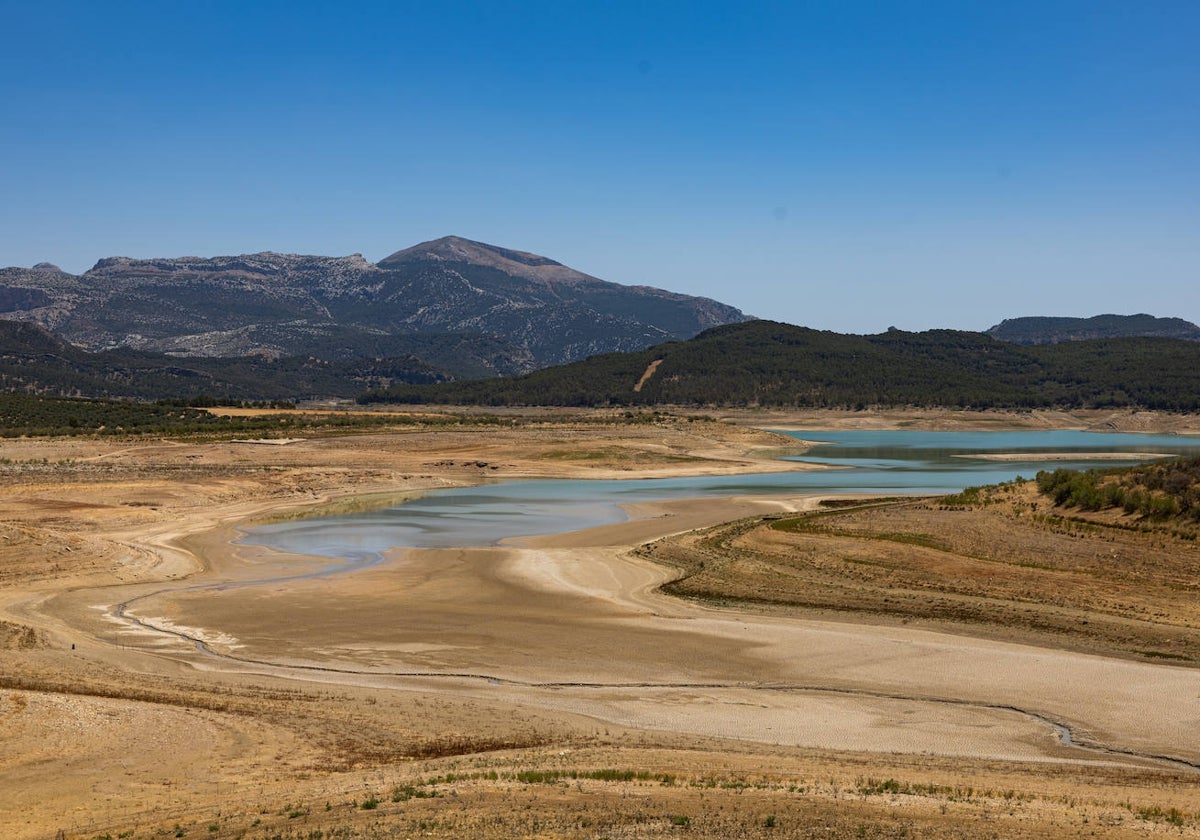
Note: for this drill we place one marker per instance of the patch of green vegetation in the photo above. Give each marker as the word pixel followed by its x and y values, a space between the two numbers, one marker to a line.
pixel 1158 492
pixel 872 786
pixel 423 788
pixel 842 504
pixel 969 497
pixel 1155 813
pixel 876 787
pixel 805 523
pixel 403 793
pixel 605 775
pixel 29 415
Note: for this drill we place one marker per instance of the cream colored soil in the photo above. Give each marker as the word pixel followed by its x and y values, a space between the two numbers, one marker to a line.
pixel 76 751
pixel 560 640
pixel 559 626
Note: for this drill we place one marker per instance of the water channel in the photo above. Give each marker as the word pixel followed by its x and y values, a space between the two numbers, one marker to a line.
pixel 889 463
pixel 879 462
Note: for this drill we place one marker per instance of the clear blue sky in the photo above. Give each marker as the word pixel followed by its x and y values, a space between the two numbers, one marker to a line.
pixel 843 165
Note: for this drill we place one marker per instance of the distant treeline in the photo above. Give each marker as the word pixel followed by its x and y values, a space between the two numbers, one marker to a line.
pixel 763 363
pixel 37 362
pixel 1042 330
pixel 1156 491
pixel 206 401
pixel 33 415
pixel 30 415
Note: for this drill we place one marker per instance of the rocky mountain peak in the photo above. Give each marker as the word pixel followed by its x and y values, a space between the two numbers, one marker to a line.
pixel 525 309
pixel 261 264
pixel 457 250
pixel 45 266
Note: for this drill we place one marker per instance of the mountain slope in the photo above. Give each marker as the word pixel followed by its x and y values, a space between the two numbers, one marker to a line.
pixel 557 313
pixel 1041 330
pixel 506 311
pixel 772 364
pixel 33 360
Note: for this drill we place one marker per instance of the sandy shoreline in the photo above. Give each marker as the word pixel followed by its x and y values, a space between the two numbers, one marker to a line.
pixel 1064 456
pixel 574 623
pixel 594 572
pixel 552 633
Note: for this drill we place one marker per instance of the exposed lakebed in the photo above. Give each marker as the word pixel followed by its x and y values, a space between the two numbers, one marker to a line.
pixel 883 462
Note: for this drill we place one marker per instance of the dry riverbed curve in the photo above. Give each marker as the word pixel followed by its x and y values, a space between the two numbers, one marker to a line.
pixel 539 644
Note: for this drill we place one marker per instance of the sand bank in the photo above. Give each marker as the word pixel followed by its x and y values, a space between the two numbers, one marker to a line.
pixel 574 623
pixel 519 653
pixel 1064 456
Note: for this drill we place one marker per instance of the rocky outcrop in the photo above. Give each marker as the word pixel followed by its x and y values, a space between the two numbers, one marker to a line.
pixel 558 313
pixel 346 307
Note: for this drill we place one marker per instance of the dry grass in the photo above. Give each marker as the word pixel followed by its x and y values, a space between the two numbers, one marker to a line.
pixel 656 792
pixel 1014 567
pixel 20 637
pixel 108 743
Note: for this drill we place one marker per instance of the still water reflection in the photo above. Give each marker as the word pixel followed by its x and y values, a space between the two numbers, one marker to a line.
pixel 887 462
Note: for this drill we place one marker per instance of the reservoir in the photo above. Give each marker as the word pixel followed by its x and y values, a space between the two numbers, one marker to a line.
pixel 876 462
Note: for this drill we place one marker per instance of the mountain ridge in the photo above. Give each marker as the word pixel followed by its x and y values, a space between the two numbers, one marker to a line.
pixel 766 363
pixel 1053 330
pixel 274 304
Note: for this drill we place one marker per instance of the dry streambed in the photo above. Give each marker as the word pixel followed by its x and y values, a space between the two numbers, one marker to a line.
pixel 305 742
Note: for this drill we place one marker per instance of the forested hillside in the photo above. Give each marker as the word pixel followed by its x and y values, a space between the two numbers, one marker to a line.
pixel 1042 330
pixel 34 361
pixel 772 364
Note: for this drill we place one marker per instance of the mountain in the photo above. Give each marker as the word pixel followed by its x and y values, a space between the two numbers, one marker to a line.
pixel 746 364
pixel 33 360
pixel 1040 330
pixel 765 363
pixel 19 338
pixel 486 310
pixel 558 313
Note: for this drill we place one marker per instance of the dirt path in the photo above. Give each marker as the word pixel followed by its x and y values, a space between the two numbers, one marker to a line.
pixel 646 375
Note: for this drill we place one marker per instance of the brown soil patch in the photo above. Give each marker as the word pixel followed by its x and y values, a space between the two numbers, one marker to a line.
pixel 1014 568
pixel 20 637
pixel 106 730
pixel 646 374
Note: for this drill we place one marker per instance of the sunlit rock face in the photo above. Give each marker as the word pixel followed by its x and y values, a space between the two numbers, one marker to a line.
pixel 509 311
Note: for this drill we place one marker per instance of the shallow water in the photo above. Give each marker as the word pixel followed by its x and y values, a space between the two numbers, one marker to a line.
pixel 889 462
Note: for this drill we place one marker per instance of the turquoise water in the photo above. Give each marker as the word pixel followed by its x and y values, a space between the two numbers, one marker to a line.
pixel 936 452
pixel 890 462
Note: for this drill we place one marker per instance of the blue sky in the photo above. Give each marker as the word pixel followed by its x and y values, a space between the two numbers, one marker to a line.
pixel 842 165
